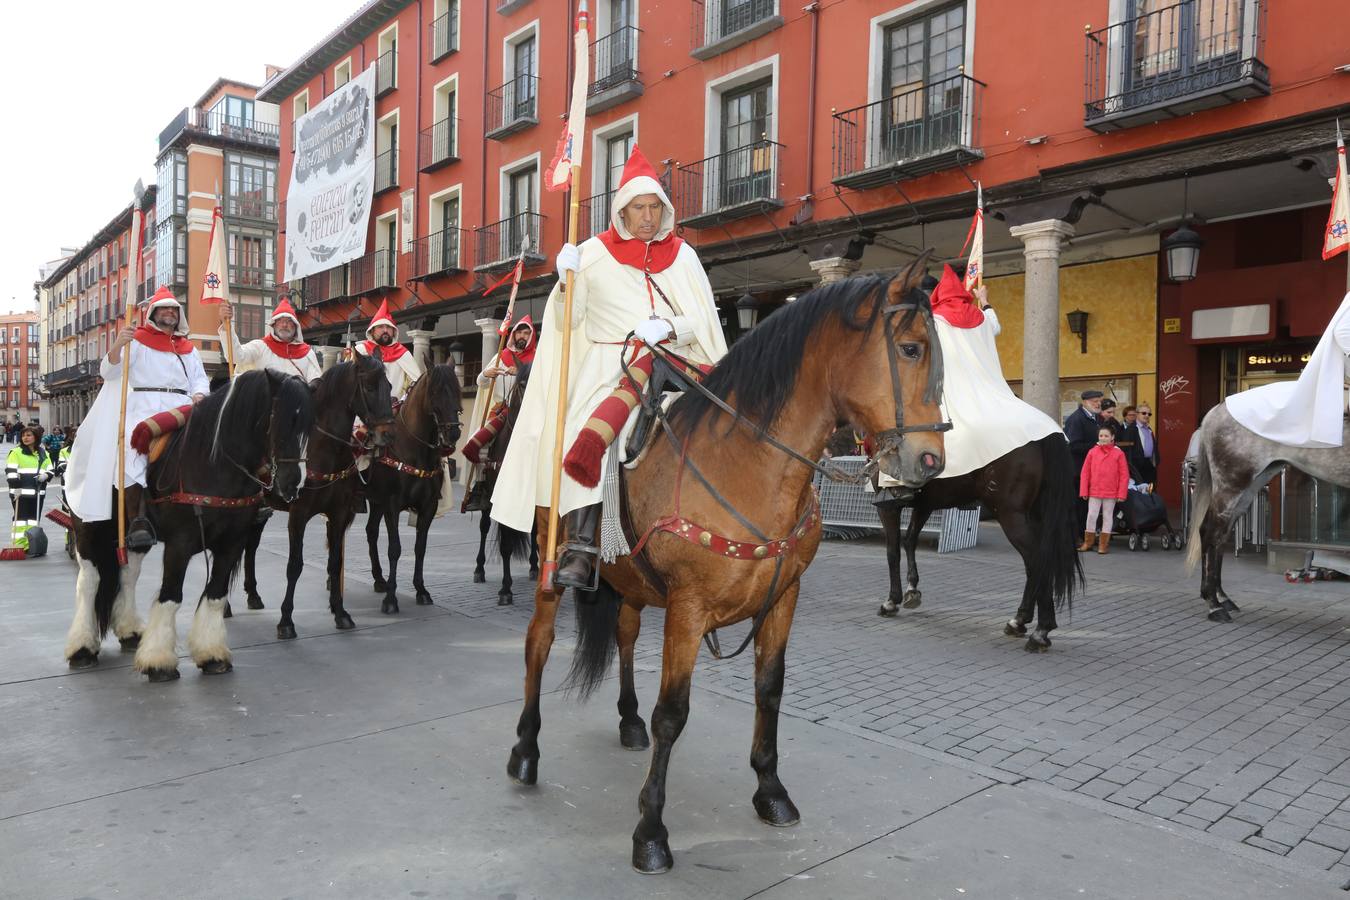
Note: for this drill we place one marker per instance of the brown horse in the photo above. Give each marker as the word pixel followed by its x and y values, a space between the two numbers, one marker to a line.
pixel 859 352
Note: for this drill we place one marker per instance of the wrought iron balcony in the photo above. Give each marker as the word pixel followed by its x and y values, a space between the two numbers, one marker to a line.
pixel 719 25
pixel 727 186
pixel 614 74
pixel 251 277
pixel 386 72
pixel 444 252
pixel 513 107
pixel 444 36
pixel 594 215
pixel 324 286
pixel 436 145
pixel 506 7
pixel 235 129
pixel 1170 62
pixel 499 243
pixel 71 374
pixel 386 170
pixel 930 127
pixel 373 272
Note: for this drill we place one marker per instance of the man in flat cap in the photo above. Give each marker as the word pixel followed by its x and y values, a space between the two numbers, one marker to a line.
pixel 1081 430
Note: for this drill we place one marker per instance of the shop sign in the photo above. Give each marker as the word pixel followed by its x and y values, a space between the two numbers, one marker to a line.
pixel 1172 325
pixel 1291 360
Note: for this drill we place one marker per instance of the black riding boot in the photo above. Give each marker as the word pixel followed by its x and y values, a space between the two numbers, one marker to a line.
pixel 140 535
pixel 576 566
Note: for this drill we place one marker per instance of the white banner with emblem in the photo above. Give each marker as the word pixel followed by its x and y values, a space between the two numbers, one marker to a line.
pixel 332 180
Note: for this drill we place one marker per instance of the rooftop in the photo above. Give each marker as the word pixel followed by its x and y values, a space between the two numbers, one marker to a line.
pixel 331 48
pixel 102 236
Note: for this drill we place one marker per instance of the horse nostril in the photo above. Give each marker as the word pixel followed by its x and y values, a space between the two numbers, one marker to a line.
pixel 930 462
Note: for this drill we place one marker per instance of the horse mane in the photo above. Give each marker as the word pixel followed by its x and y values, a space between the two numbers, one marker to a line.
pixel 761 368
pixel 227 424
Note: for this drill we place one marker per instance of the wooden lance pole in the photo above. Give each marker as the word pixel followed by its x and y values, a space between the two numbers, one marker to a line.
pixel 132 283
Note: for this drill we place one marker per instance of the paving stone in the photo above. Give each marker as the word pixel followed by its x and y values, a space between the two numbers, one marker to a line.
pixel 1207 810
pixel 1233 828
pixel 1315 855
pixel 1339 838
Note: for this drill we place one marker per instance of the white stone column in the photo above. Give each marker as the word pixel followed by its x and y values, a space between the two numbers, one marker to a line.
pixel 422 345
pixel 489 328
pixel 1041 243
pixel 331 356
pixel 835 268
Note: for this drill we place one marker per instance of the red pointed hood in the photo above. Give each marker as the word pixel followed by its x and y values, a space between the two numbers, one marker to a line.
pixel 511 357
pixel 150 334
pixel 372 348
pixel 639 177
pixel 382 317
pixel 953 303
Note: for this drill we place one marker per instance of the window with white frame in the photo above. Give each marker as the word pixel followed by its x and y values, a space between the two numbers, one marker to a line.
pixel 521 62
pixel 520 200
pixel 386 250
pixel 612 147
pixel 342 73
pixel 443 232
pixel 444 28
pixel 444 111
pixel 741 139
pixel 386 60
pixel 386 152
pixel 299 107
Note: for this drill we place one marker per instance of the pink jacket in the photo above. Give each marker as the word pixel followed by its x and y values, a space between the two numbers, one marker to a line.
pixel 1105 473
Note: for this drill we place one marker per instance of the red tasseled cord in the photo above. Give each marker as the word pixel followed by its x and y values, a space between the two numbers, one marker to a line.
pixel 582 463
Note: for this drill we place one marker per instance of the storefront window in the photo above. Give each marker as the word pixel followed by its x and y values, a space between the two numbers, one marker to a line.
pixel 1314 512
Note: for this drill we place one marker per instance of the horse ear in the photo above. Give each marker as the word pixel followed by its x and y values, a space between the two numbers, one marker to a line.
pixel 908 280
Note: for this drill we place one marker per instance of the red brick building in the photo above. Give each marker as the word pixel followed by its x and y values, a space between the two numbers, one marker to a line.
pixel 20 363
pixel 809 140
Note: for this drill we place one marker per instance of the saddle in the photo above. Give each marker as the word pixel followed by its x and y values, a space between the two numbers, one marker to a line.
pixel 152 435
pixel 653 400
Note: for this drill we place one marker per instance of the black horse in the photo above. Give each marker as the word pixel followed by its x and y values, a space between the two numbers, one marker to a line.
pixel 509 541
pixel 407 474
pixel 1030 490
pixel 346 391
pixel 203 494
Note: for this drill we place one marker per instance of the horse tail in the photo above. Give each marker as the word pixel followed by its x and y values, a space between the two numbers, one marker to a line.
pixel 597 627
pixel 1056 569
pixel 104 558
pixel 511 544
pixel 1200 500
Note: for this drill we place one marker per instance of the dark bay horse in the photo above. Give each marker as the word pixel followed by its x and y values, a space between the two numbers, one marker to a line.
pixel 204 494
pixel 1234 464
pixel 407 474
pixel 1030 490
pixel 510 543
pixel 347 390
pixel 724 519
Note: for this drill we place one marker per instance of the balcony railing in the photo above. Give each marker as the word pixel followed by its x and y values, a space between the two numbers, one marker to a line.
pixel 324 286
pixel 444 36
pixel 77 372
pixel 251 205
pixel 436 145
pixel 251 277
pixel 1173 61
pixel 215 124
pixel 373 272
pixel 386 170
pixel 441 253
pixel 594 215
pixel 512 107
pixel 931 127
pixel 499 243
pixel 730 185
pixel 614 74
pixel 719 25
pixel 386 72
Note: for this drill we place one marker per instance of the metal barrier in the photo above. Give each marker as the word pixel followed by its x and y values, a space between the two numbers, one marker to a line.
pixel 850 506
pixel 1251 528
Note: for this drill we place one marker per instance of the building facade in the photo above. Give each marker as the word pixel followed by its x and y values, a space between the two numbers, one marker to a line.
pixel 20 366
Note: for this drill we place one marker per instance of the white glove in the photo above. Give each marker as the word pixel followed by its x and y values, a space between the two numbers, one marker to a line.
pixel 44 477
pixel 652 331
pixel 569 260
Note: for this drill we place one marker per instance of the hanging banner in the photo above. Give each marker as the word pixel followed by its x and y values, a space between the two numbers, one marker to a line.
pixel 332 180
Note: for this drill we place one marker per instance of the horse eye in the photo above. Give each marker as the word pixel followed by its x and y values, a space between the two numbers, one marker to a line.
pixel 911 351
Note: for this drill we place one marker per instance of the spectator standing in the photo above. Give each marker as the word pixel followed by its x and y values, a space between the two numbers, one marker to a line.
pixel 1109 418
pixel 27 470
pixel 1142 452
pixel 1081 430
pixel 1102 483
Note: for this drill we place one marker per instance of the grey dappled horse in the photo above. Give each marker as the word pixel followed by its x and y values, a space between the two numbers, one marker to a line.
pixel 1234 464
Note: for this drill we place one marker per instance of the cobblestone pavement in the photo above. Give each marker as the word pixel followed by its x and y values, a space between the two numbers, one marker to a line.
pixel 1241 731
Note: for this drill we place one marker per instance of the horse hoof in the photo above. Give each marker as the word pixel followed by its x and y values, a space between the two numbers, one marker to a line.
pixel 83 658
pixel 534 573
pixel 1219 614
pixel 216 666
pixel 780 812
pixel 1015 629
pixel 887 611
pixel 913 600
pixel 286 632
pixel 1230 605
pixel 479 576
pixel 161 675
pixel 424 598
pixel 633 735
pixel 389 607
pixel 255 602
pixel 229 613
pixel 522 769
pixel 130 642
pixel 1039 642
pixel 652 857
pixel 380 587
pixel 343 622
pixel 505 599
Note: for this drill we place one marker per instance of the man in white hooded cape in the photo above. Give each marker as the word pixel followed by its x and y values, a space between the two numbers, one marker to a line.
pixel 1309 412
pixel 282 350
pixel 636 277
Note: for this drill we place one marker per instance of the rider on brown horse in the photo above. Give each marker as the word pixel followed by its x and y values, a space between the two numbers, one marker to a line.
pixel 636 278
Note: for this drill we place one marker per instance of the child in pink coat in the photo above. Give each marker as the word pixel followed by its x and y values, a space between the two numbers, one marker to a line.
pixel 1103 482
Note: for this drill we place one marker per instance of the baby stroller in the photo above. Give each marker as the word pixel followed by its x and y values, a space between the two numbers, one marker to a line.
pixel 1142 514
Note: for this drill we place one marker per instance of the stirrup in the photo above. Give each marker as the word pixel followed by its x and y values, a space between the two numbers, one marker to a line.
pixel 590 550
pixel 477 499
pixel 264 513
pixel 140 535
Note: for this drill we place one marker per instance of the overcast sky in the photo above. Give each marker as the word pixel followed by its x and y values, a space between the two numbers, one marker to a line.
pixel 91 85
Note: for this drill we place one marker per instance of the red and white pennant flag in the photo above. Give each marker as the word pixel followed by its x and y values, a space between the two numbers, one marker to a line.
pixel 216 281
pixel 559 174
pixel 975 240
pixel 1338 223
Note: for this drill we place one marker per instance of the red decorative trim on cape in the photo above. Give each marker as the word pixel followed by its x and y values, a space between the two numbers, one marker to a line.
pixel 954 304
pixel 155 339
pixel 654 257
pixel 382 353
pixel 287 350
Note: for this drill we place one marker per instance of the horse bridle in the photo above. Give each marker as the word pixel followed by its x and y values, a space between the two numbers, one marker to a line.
pixel 435 420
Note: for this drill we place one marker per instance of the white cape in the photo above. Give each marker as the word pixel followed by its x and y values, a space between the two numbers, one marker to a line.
pixel 1308 412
